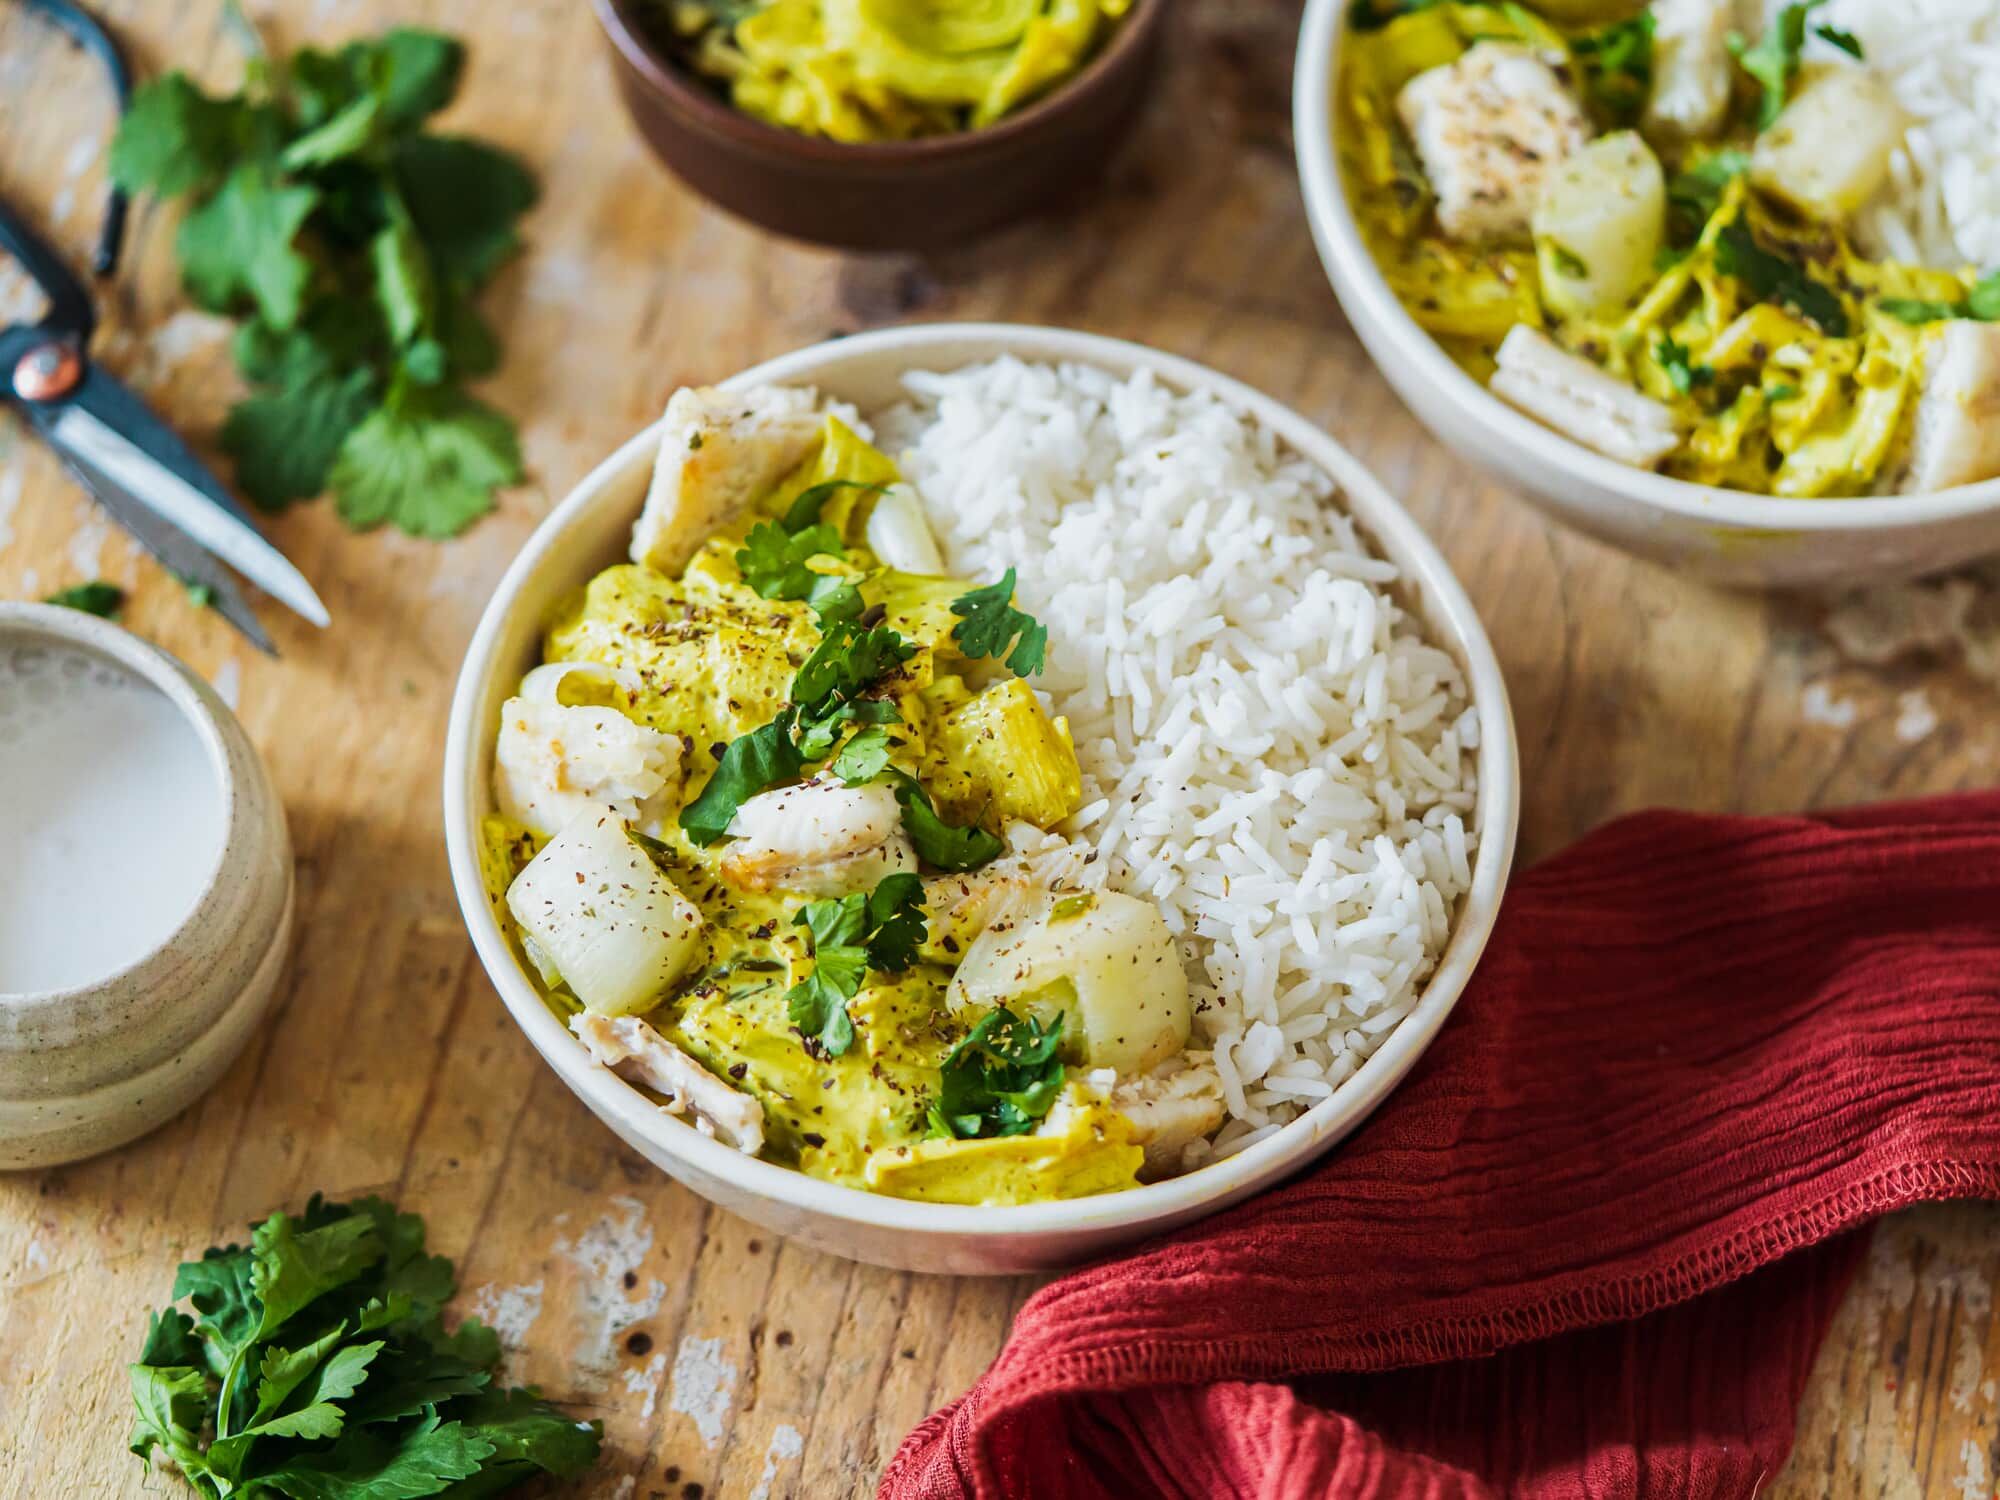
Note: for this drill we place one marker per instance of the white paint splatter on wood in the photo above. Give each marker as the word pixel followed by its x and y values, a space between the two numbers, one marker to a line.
pixel 704 1385
pixel 10 498
pixel 646 1381
pixel 1819 706
pixel 1915 718
pixel 786 1444
pixel 612 1248
pixel 509 1311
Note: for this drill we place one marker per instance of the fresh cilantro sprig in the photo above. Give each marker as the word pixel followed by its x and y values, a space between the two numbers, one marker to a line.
pixel 1694 195
pixel 863 930
pixel 1981 304
pixel 317 1366
pixel 826 695
pixel 1846 41
pixel 1618 66
pixel 774 556
pixel 352 243
pixel 1000 1078
pixel 94 598
pixel 1675 360
pixel 1774 60
pixel 989 624
pixel 1772 278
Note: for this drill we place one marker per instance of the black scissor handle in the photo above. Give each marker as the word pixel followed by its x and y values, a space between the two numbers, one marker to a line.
pixel 82 28
pixel 71 312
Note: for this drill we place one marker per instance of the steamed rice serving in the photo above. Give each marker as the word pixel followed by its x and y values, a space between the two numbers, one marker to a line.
pixel 1024 792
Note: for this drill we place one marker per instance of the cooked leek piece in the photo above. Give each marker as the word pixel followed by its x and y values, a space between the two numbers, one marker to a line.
pixel 999 757
pixel 1105 961
pixel 898 534
pixel 1829 151
pixel 1599 225
pixel 600 914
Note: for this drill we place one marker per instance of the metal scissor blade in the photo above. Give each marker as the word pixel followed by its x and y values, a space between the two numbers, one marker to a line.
pixel 107 427
pixel 178 553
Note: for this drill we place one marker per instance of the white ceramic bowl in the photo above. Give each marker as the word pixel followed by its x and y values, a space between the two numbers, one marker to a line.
pixel 91 1067
pixel 1724 535
pixel 591 529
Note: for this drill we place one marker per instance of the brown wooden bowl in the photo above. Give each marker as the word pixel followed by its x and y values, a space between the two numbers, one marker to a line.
pixel 895 195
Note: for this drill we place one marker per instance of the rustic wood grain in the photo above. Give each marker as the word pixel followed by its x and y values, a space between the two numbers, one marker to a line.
pixel 726 1362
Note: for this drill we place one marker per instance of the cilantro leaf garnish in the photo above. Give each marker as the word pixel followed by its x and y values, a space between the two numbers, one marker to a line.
pixel 1779 392
pixel 1000 1078
pixel 826 696
pixel 351 241
pixel 1686 376
pixel 878 929
pixel 1694 195
pixel 989 623
pixel 1618 66
pixel 937 842
pixel 319 1367
pixel 94 598
pixel 808 503
pixel 773 560
pixel 1846 41
pixel 1772 278
pixel 1373 15
pixel 864 757
pixel 750 763
pixel 1982 304
pixel 1774 60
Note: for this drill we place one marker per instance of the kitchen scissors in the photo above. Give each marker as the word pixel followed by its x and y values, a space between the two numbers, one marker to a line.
pixel 150 482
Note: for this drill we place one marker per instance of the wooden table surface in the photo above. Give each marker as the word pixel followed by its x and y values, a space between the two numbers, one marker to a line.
pixel 726 1362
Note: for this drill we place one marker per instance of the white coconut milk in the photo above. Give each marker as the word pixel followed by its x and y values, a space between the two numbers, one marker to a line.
pixel 111 817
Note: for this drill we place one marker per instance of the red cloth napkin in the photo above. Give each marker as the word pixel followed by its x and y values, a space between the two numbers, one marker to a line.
pixel 1590 1247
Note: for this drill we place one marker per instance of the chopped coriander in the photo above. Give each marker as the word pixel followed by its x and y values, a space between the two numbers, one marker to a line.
pixel 1071 907
pixel 878 929
pixel 989 624
pixel 1686 377
pixel 95 598
pixel 1567 261
pixel 1373 15
pixel 319 1365
pixel 1846 41
pixel 750 763
pixel 773 560
pixel 200 595
pixel 351 242
pixel 806 506
pixel 1696 193
pixel 1618 66
pixel 1774 60
pixel 1983 301
pixel 1780 392
pixel 937 842
pixel 864 757
pixel 1773 278
pixel 1916 310
pixel 999 1079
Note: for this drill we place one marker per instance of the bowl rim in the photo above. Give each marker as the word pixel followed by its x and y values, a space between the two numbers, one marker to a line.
pixel 1354 274
pixel 673 83
pixel 172 680
pixel 1389 528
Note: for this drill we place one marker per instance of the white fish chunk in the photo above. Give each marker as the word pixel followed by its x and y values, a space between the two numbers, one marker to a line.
pixel 1487 129
pixel 637 1053
pixel 1570 394
pixel 821 837
pixel 720 452
pixel 1830 149
pixel 1956 439
pixel 553 761
pixel 1692 68
pixel 1170 1108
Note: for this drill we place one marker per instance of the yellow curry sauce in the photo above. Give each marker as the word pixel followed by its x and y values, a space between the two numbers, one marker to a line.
pixel 713 661
pixel 1789 362
pixel 878 70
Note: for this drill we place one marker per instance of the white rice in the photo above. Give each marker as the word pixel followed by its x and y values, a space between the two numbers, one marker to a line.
pixel 1942 59
pixel 1270 749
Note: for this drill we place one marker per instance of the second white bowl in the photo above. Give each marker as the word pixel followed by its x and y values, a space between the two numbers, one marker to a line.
pixel 1724 535
pixel 590 530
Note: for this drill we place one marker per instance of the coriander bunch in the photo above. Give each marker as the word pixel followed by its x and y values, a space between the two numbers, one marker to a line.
pixel 351 241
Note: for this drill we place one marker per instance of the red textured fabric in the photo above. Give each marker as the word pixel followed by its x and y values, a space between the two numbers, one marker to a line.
pixel 1590 1246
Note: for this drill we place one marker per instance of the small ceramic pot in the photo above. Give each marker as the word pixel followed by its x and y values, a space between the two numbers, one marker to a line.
pixel 85 1069
pixel 891 195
